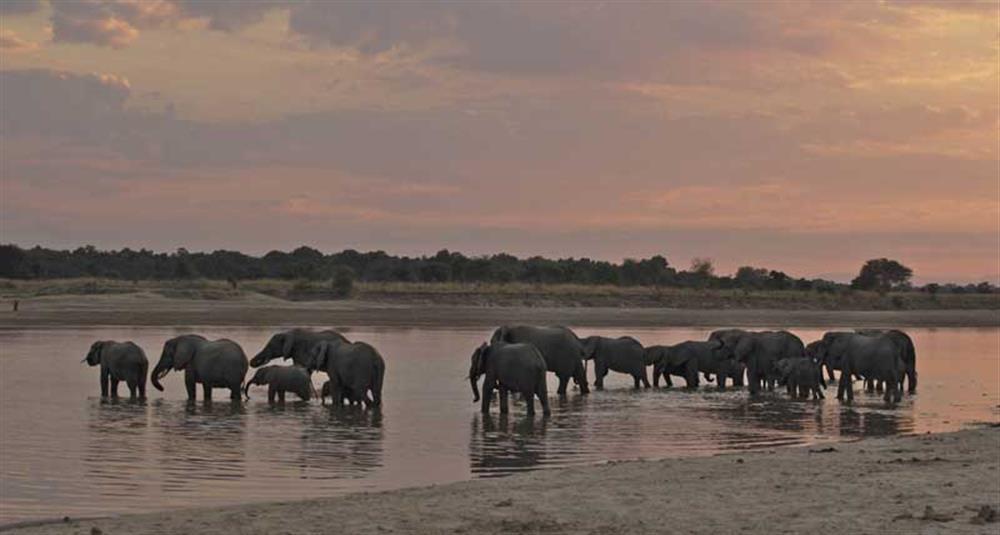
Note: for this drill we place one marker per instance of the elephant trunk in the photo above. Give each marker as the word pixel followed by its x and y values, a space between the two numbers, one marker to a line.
pixel 246 389
pixel 158 372
pixel 475 388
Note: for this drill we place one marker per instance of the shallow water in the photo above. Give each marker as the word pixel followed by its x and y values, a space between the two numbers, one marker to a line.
pixel 64 452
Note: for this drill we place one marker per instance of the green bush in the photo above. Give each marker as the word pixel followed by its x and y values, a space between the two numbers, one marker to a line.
pixel 342 282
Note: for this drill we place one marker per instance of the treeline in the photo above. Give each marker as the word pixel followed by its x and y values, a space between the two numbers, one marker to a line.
pixel 306 263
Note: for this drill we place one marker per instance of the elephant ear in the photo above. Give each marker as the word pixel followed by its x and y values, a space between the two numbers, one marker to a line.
pixel 288 346
pixel 94 355
pixel 319 356
pixel 183 353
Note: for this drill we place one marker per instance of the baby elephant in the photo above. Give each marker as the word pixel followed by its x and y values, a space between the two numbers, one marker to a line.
pixel 802 376
pixel 281 379
pixel 120 361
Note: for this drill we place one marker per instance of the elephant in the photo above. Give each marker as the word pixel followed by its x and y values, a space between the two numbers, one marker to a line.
pixel 510 367
pixel 559 346
pixel 876 357
pixel 909 354
pixel 120 361
pixel 802 377
pixel 624 355
pixel 759 351
pixel 213 363
pixel 281 379
pixel 673 360
pixel 296 344
pixel 354 369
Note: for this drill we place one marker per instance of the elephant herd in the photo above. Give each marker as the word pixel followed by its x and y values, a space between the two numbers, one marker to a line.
pixel 517 357
pixel 355 369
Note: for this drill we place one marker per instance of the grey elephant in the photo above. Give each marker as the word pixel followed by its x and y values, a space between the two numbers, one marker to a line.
pixel 212 363
pixel 119 361
pixel 712 359
pixel 559 346
pixel 296 344
pixel 877 357
pixel 623 354
pixel 281 379
pixel 759 351
pixel 908 352
pixel 673 360
pixel 801 377
pixel 509 368
pixel 354 369
pixel 324 392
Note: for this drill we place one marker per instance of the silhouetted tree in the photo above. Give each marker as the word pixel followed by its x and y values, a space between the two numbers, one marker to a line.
pixel 882 275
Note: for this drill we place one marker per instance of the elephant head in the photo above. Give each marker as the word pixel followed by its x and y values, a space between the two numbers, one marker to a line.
pixel 261 377
pixel 280 345
pixel 590 346
pixel 177 354
pixel 477 368
pixel 93 357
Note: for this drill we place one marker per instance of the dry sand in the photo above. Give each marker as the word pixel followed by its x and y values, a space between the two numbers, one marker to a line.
pixel 868 486
pixel 154 310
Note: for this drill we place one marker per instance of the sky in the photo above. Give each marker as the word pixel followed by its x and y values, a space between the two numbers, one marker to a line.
pixel 805 137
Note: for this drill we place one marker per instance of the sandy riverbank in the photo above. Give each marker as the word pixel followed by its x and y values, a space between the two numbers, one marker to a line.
pixel 869 486
pixel 144 309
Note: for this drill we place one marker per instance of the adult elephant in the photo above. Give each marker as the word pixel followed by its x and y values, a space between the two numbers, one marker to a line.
pixel 212 363
pixel 354 369
pixel 623 355
pixel 687 359
pixel 875 357
pixel 907 350
pixel 759 351
pixel 119 361
pixel 509 367
pixel 296 344
pixel 559 346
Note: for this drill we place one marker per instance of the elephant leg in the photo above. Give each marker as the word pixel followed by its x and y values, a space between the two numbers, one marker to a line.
pixel 721 379
pixel 281 397
pixel 667 381
pixel 105 378
pixel 132 390
pixel 487 397
pixel 114 388
pixel 271 393
pixel 869 386
pixel 544 399
pixel 645 379
pixel 880 386
pixel 207 390
pixel 504 407
pixel 599 374
pixel 563 383
pixel 529 400
pixel 580 376
pixel 911 380
pixel 638 382
pixel 754 381
pixel 190 385
pixel 829 373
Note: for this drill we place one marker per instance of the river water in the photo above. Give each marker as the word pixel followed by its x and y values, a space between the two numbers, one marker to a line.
pixel 64 452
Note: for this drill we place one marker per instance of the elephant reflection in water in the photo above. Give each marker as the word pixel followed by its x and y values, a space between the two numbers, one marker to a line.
pixel 199 442
pixel 117 439
pixel 873 424
pixel 505 445
pixel 346 443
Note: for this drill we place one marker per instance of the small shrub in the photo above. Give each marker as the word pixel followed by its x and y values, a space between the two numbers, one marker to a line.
pixel 342 283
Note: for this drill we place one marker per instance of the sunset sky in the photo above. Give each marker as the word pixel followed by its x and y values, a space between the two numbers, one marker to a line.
pixel 806 137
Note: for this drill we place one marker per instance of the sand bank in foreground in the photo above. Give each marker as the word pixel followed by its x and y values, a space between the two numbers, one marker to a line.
pixel 156 310
pixel 869 486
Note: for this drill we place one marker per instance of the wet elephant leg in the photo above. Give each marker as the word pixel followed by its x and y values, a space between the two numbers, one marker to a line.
pixel 563 383
pixel 207 391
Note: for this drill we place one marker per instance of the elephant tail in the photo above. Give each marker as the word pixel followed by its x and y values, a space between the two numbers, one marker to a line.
pixel 379 375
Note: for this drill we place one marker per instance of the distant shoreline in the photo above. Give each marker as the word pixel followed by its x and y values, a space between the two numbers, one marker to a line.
pixel 902 484
pixel 148 309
